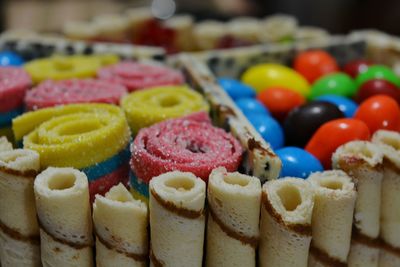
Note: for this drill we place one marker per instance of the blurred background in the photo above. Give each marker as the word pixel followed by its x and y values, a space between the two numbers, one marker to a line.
pixel 337 16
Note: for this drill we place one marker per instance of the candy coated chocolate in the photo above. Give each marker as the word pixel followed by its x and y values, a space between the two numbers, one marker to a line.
pixel 8 58
pixel 280 101
pixel 303 121
pixel 293 159
pixel 334 84
pixel 378 72
pixel 347 106
pixel 235 89
pixel 377 87
pixel 314 64
pixel 333 134
pixel 355 67
pixel 269 129
pixel 264 76
pixel 251 106
pixel 379 112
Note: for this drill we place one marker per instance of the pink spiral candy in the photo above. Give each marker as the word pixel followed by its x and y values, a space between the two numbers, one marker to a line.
pixel 54 93
pixel 184 144
pixel 135 76
pixel 13 84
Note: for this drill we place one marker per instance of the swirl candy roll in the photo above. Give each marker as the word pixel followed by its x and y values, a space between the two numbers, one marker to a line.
pixel 285 234
pixel 19 231
pixel 63 209
pixel 67 67
pixel 91 137
pixel 120 224
pixel 148 107
pixel 186 144
pixel 363 162
pixel 177 220
pixel 334 201
pixel 234 212
pixel 135 76
pixel 389 143
pixel 55 93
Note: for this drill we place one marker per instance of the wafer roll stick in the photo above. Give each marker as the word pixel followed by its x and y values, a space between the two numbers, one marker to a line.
pixel 19 231
pixel 332 219
pixel 389 143
pixel 177 220
pixel 234 211
pixel 285 231
pixel 120 224
pixel 363 162
pixel 63 208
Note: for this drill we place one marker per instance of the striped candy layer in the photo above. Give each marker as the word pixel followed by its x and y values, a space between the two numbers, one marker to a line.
pixel 181 144
pixel 139 75
pixel 54 93
pixel 147 107
pixel 89 137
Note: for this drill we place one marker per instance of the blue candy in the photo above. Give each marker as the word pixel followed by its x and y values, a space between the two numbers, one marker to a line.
pixel 8 58
pixel 236 89
pixel 269 129
pixel 297 162
pixel 251 106
pixel 347 106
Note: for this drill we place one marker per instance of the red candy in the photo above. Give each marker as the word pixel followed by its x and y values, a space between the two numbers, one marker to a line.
pixel 379 112
pixel 333 134
pixel 315 63
pixel 355 67
pixel 135 76
pixel 377 87
pixel 185 145
pixel 53 93
pixel 280 101
pixel 13 84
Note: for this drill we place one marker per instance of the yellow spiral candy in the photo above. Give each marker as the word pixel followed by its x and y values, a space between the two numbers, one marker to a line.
pixel 147 107
pixel 67 67
pixel 78 135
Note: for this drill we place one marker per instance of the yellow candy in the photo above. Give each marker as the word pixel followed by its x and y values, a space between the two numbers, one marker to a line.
pixel 78 135
pixel 263 76
pixel 67 67
pixel 147 107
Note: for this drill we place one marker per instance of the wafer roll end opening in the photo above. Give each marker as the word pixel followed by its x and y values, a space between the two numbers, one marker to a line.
pixel 389 142
pixel 357 152
pixel 336 183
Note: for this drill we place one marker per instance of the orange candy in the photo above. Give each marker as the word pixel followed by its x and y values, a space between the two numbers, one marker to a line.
pixel 280 100
pixel 333 134
pixel 315 63
pixel 379 112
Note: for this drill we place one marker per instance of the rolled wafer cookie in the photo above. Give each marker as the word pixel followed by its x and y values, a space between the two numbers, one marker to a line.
pixel 120 224
pixel 278 28
pixel 208 33
pixel 63 209
pixel 363 162
pixel 389 143
pixel 233 221
pixel 285 231
pixel 177 220
pixel 334 201
pixel 19 231
pixel 183 26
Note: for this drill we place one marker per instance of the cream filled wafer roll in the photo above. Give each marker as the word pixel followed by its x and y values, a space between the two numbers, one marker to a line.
pixel 233 220
pixel 183 26
pixel 19 230
pixel 389 143
pixel 245 28
pixel 208 33
pixel 63 209
pixel 278 28
pixel 285 231
pixel 177 220
pixel 363 162
pixel 120 224
pixel 334 201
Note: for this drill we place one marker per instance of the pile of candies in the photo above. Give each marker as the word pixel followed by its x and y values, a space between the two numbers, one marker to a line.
pixel 307 111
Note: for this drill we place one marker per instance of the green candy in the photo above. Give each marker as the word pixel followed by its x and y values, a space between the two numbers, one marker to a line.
pixel 378 72
pixel 334 84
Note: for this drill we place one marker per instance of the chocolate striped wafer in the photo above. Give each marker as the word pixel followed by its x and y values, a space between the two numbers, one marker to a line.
pixel 363 162
pixel 19 230
pixel 286 212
